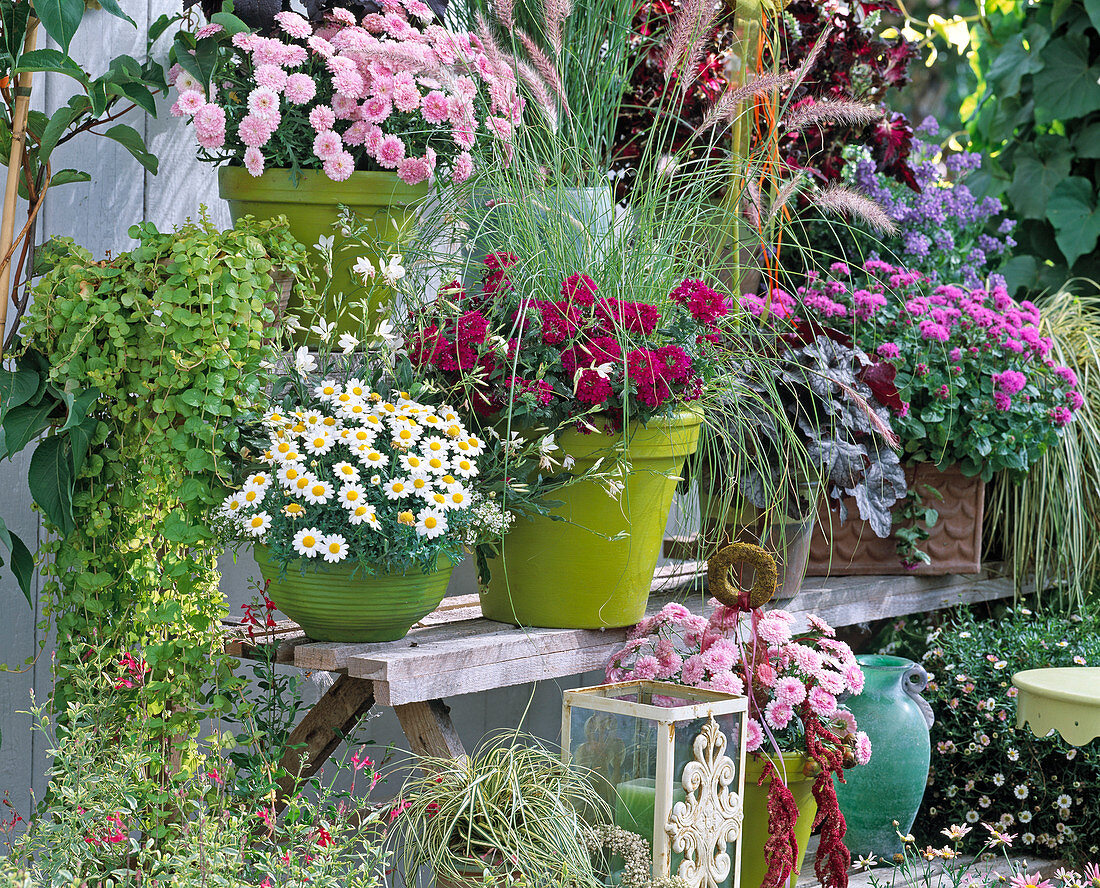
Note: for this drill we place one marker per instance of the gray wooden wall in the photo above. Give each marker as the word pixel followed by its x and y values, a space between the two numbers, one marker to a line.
pixel 97 215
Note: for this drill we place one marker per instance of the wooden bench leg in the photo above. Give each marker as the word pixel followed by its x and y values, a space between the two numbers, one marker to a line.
pixel 322 729
pixel 429 729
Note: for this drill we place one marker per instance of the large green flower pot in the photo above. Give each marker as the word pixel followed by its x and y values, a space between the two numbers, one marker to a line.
pixel 573 574
pixel 384 203
pixel 754 829
pixel 889 787
pixel 338 602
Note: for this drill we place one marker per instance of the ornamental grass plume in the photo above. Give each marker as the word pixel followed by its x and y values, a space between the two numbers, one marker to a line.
pixel 843 201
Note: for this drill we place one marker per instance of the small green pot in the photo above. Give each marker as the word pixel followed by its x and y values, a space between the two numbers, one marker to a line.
pixel 754 830
pixel 573 574
pixel 384 203
pixel 338 602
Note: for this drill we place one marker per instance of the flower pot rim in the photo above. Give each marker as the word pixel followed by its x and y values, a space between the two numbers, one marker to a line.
pixel 349 566
pixel 363 187
pixel 884 662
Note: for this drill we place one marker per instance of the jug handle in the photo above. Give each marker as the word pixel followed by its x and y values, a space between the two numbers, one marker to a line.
pixel 914 681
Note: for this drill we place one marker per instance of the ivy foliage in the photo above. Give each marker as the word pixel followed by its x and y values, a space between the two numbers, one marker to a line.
pixel 1035 117
pixel 135 368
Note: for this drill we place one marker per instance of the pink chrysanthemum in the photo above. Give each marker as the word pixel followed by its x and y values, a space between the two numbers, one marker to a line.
pixel 413 170
pixel 208 30
pixel 299 89
pixel 263 102
pixel 391 151
pixel 754 735
pixel 376 109
pixel 790 691
pixel 406 97
pixel 294 25
pixel 271 76
pixel 863 748
pixel 321 46
pixel 210 126
pixel 345 107
pixel 356 134
pixel 254 132
pixel 340 166
pixel 462 168
pixel 322 118
pixel 254 161
pixel 190 101
pixel 327 144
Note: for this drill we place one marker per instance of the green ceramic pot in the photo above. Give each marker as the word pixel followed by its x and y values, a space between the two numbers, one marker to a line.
pixel 338 602
pixel 889 787
pixel 754 829
pixel 311 206
pixel 571 574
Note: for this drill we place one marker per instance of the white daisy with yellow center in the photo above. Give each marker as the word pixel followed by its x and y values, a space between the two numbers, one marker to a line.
pixel 431 523
pixel 457 498
pixel 319 441
pixel 397 488
pixel 327 390
pixel 302 483
pixel 334 548
pixel 412 462
pixel 352 495
pixel 259 480
pixel 437 465
pixel 290 473
pixel 420 484
pixel 434 446
pixel 307 542
pixel 464 467
pixel 294 510
pixel 346 472
pixel 256 525
pixel 233 504
pixel 375 459
pixel 252 496
pixel 319 492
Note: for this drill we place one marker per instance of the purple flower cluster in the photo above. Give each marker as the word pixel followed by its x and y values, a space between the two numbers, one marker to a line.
pixel 946 232
pixel 977 384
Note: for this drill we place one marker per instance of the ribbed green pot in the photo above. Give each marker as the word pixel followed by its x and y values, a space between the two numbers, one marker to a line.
pixel 338 602
pixel 754 829
pixel 891 785
pixel 572 574
pixel 311 206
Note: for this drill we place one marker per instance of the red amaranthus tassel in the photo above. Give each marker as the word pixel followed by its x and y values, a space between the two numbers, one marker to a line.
pixel 781 848
pixel 833 857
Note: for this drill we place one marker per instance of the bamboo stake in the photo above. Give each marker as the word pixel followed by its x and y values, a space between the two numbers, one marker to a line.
pixel 15 164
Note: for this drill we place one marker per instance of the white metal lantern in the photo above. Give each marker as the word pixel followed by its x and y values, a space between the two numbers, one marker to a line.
pixel 670 762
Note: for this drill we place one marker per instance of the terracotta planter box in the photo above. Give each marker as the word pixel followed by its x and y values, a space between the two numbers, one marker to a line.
pixel 955 544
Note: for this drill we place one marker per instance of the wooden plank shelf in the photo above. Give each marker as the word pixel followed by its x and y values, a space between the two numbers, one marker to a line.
pixel 455 651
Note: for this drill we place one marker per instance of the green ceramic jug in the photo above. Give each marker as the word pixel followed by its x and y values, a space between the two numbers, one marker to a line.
pixel 889 787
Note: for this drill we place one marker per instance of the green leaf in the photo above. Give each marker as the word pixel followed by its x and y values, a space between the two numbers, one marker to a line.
pixel 1092 7
pixel 78 404
pixel 80 439
pixel 67 177
pixel 1068 86
pixel 114 9
pixel 60 18
pixel 162 24
pixel 1073 213
pixel 50 478
pixel 53 61
pixel 23 424
pixel 1012 62
pixel 131 140
pixel 230 22
pixel 61 120
pixel 22 562
pixel 16 388
pixel 12 29
pixel 1035 178
pixel 1087 141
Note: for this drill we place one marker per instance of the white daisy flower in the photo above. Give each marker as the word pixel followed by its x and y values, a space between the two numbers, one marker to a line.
pixel 420 484
pixel 396 488
pixel 362 436
pixel 457 498
pixel 375 459
pixel 431 420
pixel 302 483
pixel 386 408
pixel 260 480
pixel 476 445
pixel 405 437
pixel 285 451
pixel 375 480
pixel 363 515
pixel 437 465
pixel 412 462
pixel 233 504
pixel 290 473
pixel 1021 791
pixel 256 525
pixel 319 492
pixel 352 495
pixel 252 496
pixel 312 418
pixel 275 418
pixel 430 523
pixel 346 472
pixel 307 541
pixel 464 467
pixel 373 422
pixel 437 499
pixel 454 430
pixel 355 410
pixel 319 441
pixel 327 390
pixel 356 387
pixel 343 398
pixel 332 423
pixel 294 510
pixel 335 548
pixel 434 446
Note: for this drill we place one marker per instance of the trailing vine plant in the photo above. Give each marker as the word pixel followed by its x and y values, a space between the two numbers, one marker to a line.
pixel 135 368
